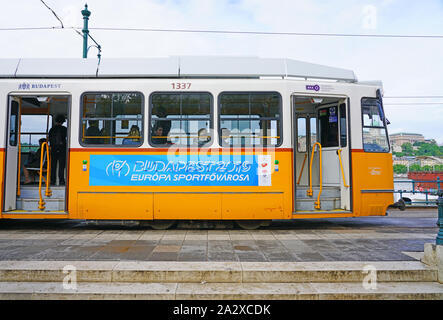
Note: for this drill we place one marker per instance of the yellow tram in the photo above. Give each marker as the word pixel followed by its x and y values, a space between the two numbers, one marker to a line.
pixel 193 138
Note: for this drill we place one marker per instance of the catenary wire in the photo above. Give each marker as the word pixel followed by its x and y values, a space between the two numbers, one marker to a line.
pixel 423 36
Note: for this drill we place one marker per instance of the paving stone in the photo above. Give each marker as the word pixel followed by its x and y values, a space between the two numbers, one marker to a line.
pixel 250 256
pixel 222 256
pixel 283 256
pixel 163 256
pixel 120 243
pixel 167 248
pixel 311 256
pixel 193 256
pixel 145 243
pixel 170 242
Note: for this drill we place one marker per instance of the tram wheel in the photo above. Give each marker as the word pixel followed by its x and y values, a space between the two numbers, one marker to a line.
pixel 252 224
pixel 162 224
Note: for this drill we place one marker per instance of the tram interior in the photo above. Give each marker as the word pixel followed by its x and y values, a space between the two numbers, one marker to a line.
pixel 37 117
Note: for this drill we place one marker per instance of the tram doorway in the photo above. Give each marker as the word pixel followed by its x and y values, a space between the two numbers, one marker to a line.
pixel 32 155
pixel 321 154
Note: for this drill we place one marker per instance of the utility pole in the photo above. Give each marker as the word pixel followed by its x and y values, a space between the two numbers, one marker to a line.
pixel 86 13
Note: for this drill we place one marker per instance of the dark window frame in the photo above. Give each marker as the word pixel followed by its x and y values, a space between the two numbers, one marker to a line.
pixel 319 132
pixel 142 130
pixel 379 127
pixel 303 116
pixel 280 109
pixel 16 123
pixel 211 118
pixel 340 128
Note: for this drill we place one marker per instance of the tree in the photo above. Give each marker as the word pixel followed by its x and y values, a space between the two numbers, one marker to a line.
pixel 414 167
pixel 407 149
pixel 400 168
pixel 428 149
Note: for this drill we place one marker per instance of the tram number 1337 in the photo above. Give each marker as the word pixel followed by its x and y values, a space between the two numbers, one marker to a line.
pixel 181 85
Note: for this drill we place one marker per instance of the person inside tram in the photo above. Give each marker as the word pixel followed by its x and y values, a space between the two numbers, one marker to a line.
pixel 58 141
pixel 165 124
pixel 225 136
pixel 92 133
pixel 33 162
pixel 158 135
pixel 133 137
pixel 203 137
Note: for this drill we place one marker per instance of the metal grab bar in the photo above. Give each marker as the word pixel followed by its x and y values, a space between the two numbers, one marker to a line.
pixel 309 191
pixel 48 193
pixel 342 171
pixel 302 167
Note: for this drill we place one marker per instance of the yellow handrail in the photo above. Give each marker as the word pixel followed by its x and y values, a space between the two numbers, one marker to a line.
pixel 41 203
pixel 302 167
pixel 48 157
pixel 341 167
pixel 309 191
pixel 48 172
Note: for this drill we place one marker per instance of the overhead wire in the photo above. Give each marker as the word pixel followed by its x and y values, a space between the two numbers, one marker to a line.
pixel 270 33
pixel 62 27
pixel 242 32
pixel 310 34
pixel 413 97
pixel 53 12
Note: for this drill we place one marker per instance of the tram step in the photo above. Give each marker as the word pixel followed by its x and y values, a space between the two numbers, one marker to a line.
pixel 215 272
pixel 31 192
pixel 220 291
pixel 328 192
pixel 325 204
pixel 51 204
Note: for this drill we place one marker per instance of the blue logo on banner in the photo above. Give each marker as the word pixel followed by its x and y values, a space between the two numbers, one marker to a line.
pixel 183 170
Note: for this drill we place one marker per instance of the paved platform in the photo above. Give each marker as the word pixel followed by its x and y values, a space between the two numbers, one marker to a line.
pixel 400 236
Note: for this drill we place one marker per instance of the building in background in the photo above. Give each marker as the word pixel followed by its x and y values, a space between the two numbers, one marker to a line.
pixel 397 139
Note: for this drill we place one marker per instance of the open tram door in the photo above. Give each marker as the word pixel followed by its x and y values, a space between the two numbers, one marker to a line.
pixel 12 147
pixel 321 155
pixel 28 187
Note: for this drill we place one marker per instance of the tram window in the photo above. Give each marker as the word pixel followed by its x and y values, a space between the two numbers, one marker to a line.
pixel 112 119
pixel 13 124
pixel 181 119
pixel 328 130
pixel 301 135
pixel 33 128
pixel 343 126
pixel 250 119
pixel 313 127
pixel 375 137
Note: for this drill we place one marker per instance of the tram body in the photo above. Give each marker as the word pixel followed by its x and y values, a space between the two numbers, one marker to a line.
pixel 257 161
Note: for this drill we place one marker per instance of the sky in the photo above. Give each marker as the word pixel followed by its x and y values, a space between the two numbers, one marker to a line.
pixel 406 66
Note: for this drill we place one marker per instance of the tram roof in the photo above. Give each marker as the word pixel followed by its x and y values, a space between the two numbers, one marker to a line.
pixel 171 67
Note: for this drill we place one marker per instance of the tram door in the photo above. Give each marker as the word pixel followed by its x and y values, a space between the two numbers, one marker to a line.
pixel 333 137
pixel 306 128
pixel 30 120
pixel 12 155
pixel 321 120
